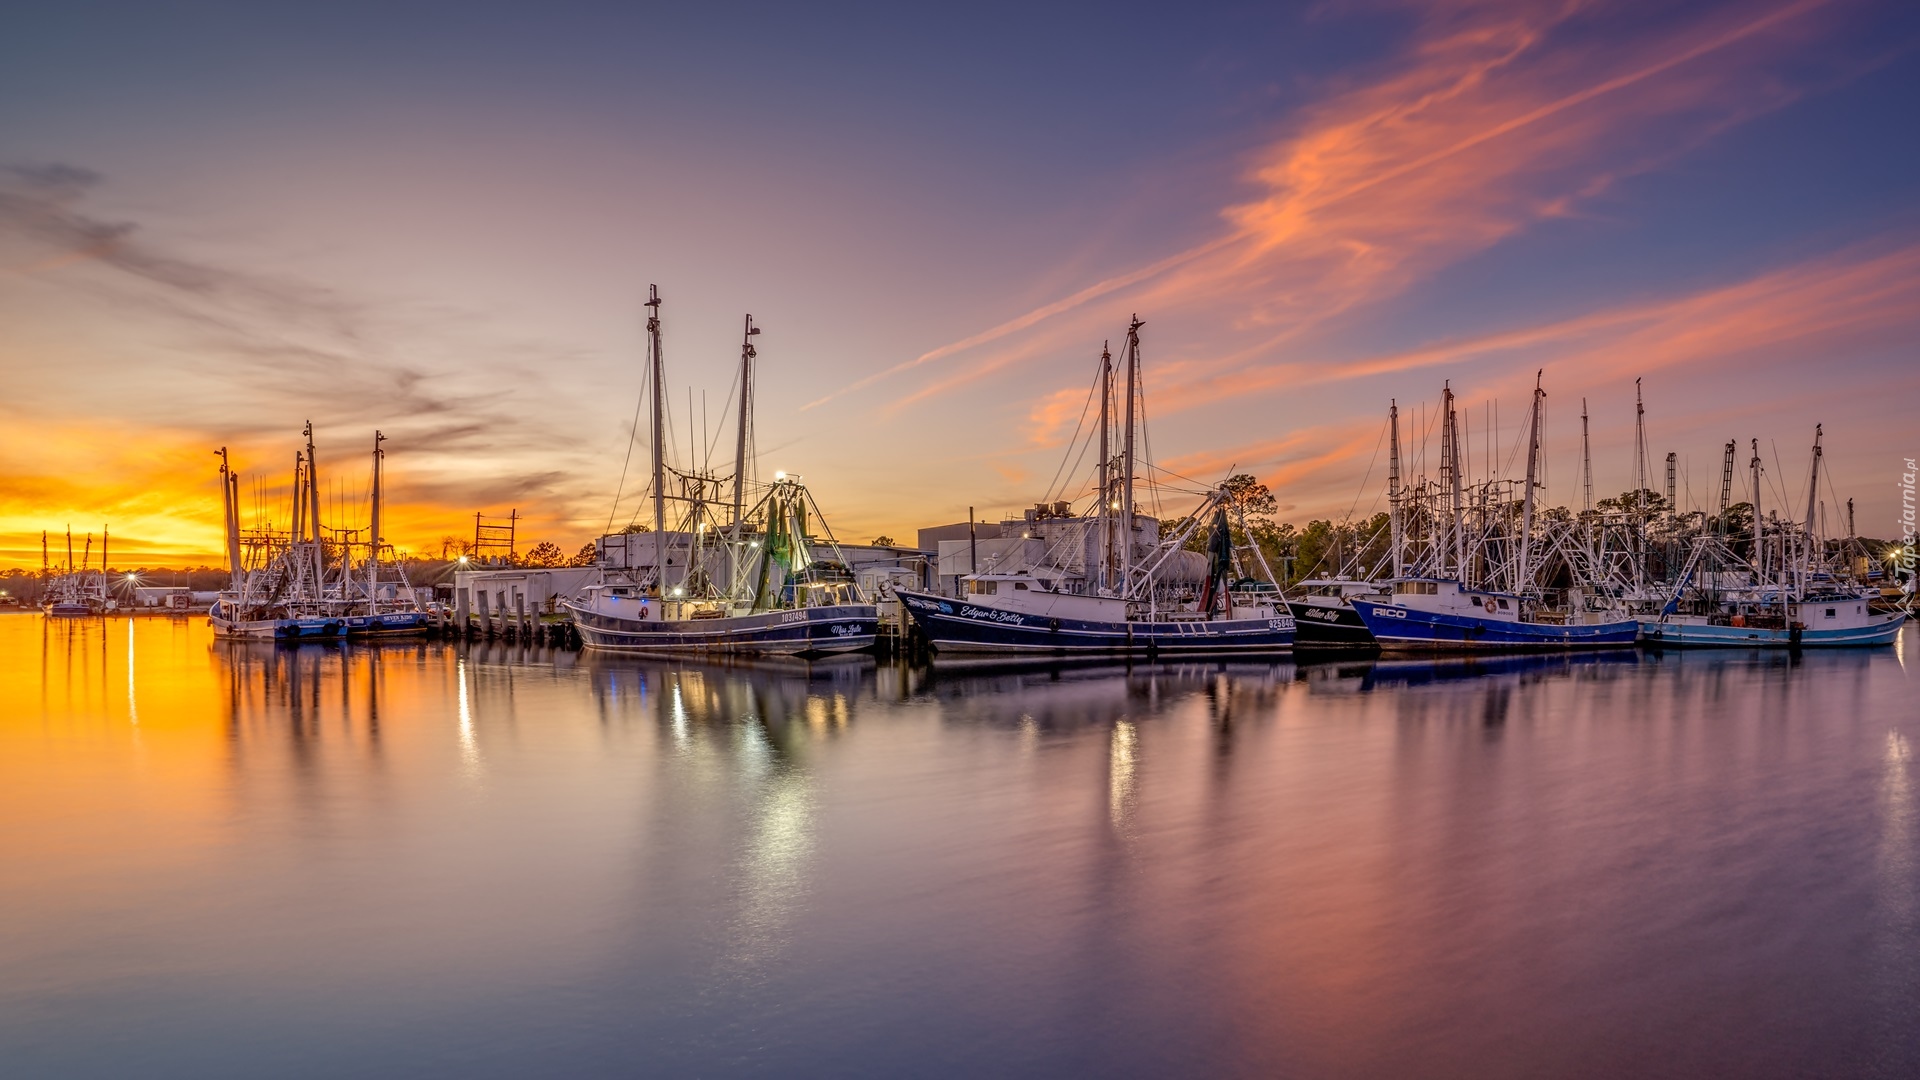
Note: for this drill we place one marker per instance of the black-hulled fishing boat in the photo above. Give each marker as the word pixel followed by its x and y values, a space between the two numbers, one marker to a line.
pixel 1107 581
pixel 748 583
pixel 1325 616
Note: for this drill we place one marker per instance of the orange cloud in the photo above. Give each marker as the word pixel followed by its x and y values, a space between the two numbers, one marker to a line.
pixel 1495 118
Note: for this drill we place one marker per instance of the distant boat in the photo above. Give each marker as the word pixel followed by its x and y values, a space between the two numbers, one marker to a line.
pixel 78 592
pixel 1816 621
pixel 372 604
pixel 1787 602
pixel 1109 584
pixel 281 596
pixel 777 599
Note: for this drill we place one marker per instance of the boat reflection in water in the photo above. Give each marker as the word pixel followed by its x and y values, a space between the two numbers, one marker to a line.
pixel 493 860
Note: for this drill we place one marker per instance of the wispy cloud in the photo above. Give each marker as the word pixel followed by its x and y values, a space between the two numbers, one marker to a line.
pixel 1495 117
pixel 239 357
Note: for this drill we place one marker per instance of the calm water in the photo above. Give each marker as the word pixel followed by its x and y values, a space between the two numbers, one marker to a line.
pixel 428 860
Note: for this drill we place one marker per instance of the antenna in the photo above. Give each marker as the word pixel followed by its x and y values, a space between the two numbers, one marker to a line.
pixel 1586 461
pixel 1639 450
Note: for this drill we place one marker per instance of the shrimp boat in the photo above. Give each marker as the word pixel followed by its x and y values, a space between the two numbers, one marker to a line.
pixel 747 582
pixel 1325 617
pixel 78 593
pixel 1446 610
pixel 377 601
pixel 1778 599
pixel 1108 582
pixel 277 586
pixel 284 587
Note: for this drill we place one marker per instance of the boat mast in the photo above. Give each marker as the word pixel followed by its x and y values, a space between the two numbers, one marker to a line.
pixel 299 535
pixel 373 529
pixel 747 355
pixel 1523 572
pixel 1759 553
pixel 1126 460
pixel 230 500
pixel 659 436
pixel 1450 470
pixel 313 514
pixel 1393 485
pixel 1726 486
pixel 1813 492
pixel 1102 509
pixel 1639 486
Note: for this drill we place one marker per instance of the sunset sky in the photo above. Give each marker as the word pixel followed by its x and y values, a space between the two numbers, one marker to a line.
pixel 220 221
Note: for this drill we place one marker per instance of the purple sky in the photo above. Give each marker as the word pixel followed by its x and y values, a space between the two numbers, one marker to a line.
pixel 218 221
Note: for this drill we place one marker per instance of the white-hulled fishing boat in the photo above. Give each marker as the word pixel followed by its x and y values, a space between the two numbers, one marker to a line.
pixel 1786 601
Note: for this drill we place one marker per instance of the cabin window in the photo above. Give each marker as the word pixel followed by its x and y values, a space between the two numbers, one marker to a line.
pixel 1503 605
pixel 1474 600
pixel 982 588
pixel 1830 613
pixel 1856 609
pixel 1021 585
pixel 1417 588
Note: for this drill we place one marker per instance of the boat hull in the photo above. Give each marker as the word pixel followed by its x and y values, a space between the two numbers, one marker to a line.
pixel 1322 627
pixel 387 624
pixel 804 632
pixel 955 626
pixel 290 631
pixel 70 611
pixel 1399 628
pixel 1670 635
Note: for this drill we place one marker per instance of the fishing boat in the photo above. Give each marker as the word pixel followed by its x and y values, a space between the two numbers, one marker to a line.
pixel 1107 581
pixel 1325 617
pixel 277 581
pixel 748 582
pixel 1780 598
pixel 377 601
pixel 78 592
pixel 1445 610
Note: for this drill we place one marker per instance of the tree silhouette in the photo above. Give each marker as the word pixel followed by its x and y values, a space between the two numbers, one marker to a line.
pixel 546 554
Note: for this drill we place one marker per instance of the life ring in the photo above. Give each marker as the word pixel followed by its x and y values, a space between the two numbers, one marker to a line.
pixel 1489 606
